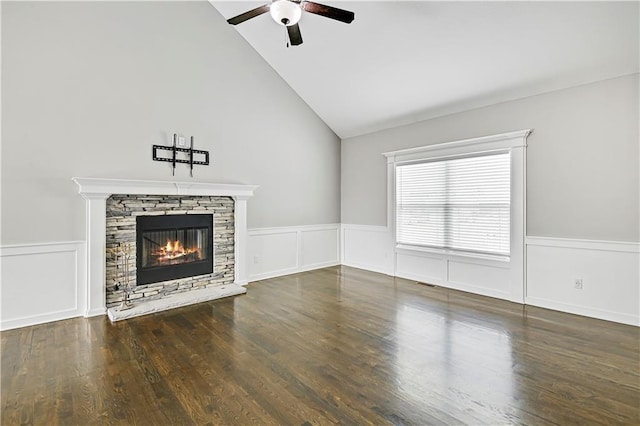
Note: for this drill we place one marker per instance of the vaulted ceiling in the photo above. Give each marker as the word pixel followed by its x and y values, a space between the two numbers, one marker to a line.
pixel 402 62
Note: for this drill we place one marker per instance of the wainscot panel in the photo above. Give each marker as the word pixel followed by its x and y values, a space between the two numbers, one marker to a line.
pixel 490 280
pixel 421 267
pixel 479 276
pixel 368 247
pixel 42 283
pixel 273 252
pixel 609 272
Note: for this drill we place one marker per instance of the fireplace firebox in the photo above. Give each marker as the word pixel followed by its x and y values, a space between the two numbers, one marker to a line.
pixel 173 246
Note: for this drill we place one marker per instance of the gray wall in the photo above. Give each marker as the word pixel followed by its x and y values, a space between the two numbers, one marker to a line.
pixel 88 87
pixel 582 164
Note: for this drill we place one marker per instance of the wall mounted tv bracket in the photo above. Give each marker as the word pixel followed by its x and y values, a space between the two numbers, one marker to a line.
pixel 191 153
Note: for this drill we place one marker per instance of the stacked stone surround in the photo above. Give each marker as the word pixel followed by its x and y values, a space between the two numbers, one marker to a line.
pixel 121 215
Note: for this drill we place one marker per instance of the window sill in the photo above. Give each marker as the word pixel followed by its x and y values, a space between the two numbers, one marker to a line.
pixel 448 252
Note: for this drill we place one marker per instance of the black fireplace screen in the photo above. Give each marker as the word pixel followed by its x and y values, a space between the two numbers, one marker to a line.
pixel 161 248
pixel 173 246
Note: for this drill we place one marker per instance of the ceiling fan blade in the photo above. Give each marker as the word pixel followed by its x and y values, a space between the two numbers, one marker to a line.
pixel 248 15
pixel 294 34
pixel 329 11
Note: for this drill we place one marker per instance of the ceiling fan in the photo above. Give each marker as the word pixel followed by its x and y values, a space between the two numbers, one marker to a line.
pixel 288 12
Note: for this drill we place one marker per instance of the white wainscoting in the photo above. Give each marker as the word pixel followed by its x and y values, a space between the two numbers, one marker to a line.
pixel 480 276
pixel 280 251
pixel 45 282
pixel 367 247
pixel 42 283
pixel 609 270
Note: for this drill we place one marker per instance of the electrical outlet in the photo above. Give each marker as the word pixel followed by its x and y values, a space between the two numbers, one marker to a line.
pixel 577 284
pixel 256 259
pixel 181 142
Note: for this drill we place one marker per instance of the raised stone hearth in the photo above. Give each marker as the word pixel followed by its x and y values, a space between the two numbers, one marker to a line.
pixel 176 300
pixel 109 223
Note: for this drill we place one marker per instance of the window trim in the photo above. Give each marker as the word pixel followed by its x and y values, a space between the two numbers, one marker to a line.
pixel 463 147
pixel 516 143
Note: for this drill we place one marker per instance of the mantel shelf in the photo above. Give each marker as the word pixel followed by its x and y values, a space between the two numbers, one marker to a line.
pixel 104 187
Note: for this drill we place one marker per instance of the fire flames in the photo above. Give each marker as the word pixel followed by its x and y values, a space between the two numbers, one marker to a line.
pixel 175 250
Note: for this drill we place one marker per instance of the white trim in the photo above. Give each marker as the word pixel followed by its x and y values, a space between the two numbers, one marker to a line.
pixel 455 257
pixel 622 246
pixel 480 144
pixel 584 311
pixel 10 324
pixel 108 186
pixel 408 248
pixel 467 288
pixel 289 271
pixel 78 249
pixel 97 190
pixel 369 228
pixel 241 271
pixel 295 228
pixel 39 248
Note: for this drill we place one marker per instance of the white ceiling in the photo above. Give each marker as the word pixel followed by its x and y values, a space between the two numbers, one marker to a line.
pixel 402 62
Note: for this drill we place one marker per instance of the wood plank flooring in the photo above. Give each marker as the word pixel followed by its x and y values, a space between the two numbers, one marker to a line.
pixel 332 346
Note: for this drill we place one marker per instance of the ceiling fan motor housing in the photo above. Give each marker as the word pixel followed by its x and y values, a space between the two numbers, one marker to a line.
pixel 285 12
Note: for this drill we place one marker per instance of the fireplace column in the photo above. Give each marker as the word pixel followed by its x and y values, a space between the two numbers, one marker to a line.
pixel 96 253
pixel 241 237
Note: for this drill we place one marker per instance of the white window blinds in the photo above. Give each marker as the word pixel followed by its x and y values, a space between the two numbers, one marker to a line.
pixel 458 204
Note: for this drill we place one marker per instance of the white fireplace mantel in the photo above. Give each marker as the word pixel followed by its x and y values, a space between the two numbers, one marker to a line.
pixel 96 191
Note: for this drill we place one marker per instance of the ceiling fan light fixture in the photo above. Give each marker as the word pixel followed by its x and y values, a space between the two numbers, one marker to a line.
pixel 285 12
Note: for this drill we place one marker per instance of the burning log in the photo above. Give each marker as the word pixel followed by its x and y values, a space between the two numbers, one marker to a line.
pixel 174 253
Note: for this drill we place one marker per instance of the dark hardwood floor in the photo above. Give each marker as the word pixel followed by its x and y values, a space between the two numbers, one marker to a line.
pixel 337 345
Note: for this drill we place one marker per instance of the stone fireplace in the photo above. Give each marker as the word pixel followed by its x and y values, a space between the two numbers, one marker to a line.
pixel 191 246
pixel 179 243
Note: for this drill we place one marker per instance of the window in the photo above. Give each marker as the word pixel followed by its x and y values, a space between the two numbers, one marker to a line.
pixel 456 213
pixel 456 203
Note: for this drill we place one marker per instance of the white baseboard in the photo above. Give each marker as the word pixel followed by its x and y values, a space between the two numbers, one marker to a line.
pixel 584 311
pixel 95 312
pixel 273 252
pixel 609 271
pixel 42 283
pixel 9 324
pixel 282 272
